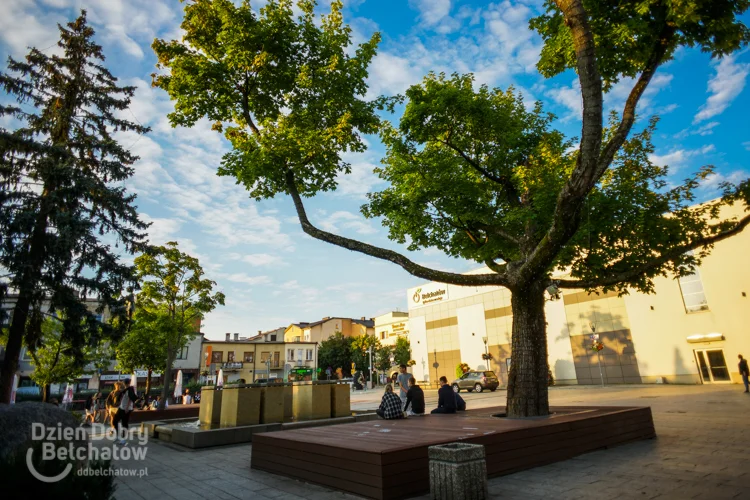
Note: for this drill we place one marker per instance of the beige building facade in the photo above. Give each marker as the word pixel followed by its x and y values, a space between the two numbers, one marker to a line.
pixel 390 326
pixel 251 360
pixel 689 332
pixel 321 330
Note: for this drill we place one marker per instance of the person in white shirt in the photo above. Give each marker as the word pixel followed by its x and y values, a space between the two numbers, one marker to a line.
pixel 187 399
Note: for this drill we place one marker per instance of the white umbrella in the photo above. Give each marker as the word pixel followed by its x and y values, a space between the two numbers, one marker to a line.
pixel 220 378
pixel 178 385
pixel 15 388
pixel 134 381
pixel 68 397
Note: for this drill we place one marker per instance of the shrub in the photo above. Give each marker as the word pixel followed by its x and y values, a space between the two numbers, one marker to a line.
pixel 16 477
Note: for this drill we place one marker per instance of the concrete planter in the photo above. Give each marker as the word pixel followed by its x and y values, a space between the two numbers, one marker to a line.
pixel 311 402
pixel 458 471
pixel 210 411
pixel 240 406
pixel 340 400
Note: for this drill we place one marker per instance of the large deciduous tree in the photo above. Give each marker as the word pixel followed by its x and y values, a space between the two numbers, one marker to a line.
pixel 142 348
pixel 336 352
pixel 62 200
pixel 53 362
pixel 174 297
pixel 471 171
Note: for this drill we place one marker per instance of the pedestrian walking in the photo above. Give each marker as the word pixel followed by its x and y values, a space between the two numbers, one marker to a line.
pixel 390 405
pixel 127 398
pixel 403 383
pixel 187 399
pixel 113 401
pixel 744 372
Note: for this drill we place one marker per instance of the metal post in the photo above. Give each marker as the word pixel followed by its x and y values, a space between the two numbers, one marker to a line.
pixel 599 360
pixel 370 374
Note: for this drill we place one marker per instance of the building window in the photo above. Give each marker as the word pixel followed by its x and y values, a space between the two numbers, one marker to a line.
pixel 296 339
pixel 693 294
pixel 309 355
pixel 307 336
pixel 230 357
pixel 217 357
pixel 264 356
pixel 382 335
pixel 26 355
pixel 183 354
pixel 290 354
pixel 248 357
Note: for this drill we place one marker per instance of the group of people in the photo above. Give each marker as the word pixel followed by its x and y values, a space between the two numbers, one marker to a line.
pixel 410 400
pixel 115 410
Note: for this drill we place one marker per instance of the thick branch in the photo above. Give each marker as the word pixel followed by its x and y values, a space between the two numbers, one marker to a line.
pixel 505 182
pixel 496 231
pixel 628 113
pixel 246 109
pixel 659 261
pixel 567 212
pixel 385 254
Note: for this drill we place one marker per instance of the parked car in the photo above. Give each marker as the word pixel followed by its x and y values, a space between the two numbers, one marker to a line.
pixel 476 381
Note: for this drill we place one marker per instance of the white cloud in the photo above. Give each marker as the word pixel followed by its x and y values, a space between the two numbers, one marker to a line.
pixel 678 158
pixel 569 98
pixel 247 280
pixel 342 219
pixel 703 130
pixel 362 178
pixel 713 182
pixel 747 145
pixel 431 11
pixel 161 230
pixel 724 87
pixel 129 24
pixel 262 259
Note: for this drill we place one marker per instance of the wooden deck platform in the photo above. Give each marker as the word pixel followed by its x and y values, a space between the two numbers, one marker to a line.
pixel 387 459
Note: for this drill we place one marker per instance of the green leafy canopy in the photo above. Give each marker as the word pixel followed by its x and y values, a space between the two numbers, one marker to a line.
pixel 286 93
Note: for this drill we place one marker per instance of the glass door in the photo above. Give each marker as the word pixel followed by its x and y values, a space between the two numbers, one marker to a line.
pixel 712 366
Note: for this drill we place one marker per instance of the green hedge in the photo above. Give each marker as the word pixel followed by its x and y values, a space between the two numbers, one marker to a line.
pixel 15 478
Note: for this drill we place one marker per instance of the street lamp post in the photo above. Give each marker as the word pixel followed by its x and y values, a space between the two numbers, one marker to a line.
pixel 595 338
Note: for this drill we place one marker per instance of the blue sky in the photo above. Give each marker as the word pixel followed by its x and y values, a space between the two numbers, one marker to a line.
pixel 270 271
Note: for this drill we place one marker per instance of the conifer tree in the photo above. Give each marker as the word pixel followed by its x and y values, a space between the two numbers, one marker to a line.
pixel 62 202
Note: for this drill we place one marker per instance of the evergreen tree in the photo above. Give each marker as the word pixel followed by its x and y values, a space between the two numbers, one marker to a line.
pixel 62 204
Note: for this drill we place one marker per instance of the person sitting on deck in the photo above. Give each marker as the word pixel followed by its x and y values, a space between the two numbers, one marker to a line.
pixel 446 398
pixel 390 405
pixel 415 397
pixel 460 403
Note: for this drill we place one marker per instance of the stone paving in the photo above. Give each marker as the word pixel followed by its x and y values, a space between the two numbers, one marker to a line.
pixel 702 451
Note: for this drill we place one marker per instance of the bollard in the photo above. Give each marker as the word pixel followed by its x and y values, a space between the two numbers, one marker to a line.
pixel 458 471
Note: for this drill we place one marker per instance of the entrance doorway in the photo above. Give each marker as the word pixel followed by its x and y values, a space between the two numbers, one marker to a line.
pixel 712 366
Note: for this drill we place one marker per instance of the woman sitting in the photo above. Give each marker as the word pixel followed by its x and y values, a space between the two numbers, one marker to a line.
pixel 390 405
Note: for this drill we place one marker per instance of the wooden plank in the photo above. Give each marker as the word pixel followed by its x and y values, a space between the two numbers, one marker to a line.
pixel 388 459
pixel 312 477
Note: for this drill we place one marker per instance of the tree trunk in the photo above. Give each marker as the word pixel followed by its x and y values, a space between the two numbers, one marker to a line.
pixel 13 347
pixel 45 392
pixel 148 383
pixel 167 377
pixel 527 381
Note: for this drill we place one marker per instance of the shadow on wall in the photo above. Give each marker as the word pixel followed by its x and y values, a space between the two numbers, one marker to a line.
pixel 616 362
pixel 563 370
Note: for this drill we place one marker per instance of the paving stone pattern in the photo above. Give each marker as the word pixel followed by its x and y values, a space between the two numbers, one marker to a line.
pixel 702 451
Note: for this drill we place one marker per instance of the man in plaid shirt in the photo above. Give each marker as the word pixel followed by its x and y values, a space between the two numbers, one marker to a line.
pixel 390 405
